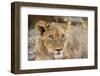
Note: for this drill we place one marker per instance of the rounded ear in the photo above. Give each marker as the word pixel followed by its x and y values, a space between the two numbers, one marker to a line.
pixel 41 26
pixel 67 24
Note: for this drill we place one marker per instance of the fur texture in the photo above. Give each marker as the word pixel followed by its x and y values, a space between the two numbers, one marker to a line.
pixel 60 41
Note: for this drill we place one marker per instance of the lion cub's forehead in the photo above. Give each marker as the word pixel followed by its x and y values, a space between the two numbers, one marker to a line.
pixel 56 26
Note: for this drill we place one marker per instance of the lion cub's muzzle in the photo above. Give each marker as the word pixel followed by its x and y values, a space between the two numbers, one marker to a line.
pixel 58 53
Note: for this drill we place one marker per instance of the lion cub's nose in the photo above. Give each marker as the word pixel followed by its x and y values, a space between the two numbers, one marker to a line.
pixel 58 50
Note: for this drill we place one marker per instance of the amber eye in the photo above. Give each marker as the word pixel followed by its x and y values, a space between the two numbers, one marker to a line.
pixel 62 36
pixel 51 37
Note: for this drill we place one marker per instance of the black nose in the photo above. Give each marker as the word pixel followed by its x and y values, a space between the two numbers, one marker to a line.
pixel 58 50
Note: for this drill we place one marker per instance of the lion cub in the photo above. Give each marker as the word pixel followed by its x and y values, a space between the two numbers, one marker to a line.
pixel 55 41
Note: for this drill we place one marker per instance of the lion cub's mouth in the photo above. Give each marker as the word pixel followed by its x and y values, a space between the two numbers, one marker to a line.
pixel 58 56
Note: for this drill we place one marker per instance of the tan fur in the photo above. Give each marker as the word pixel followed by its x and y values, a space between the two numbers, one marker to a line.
pixel 54 36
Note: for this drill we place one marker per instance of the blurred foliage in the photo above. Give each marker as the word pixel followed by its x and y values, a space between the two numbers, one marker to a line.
pixel 32 19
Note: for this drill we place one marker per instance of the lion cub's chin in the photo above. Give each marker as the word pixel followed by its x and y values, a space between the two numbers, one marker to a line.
pixel 58 56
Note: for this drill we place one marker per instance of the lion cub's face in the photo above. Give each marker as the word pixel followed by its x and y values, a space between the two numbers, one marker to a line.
pixel 54 37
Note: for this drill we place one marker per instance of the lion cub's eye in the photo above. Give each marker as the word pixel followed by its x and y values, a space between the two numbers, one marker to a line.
pixel 51 37
pixel 62 36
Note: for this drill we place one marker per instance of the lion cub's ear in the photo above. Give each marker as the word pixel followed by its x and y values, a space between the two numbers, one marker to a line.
pixel 41 26
pixel 68 24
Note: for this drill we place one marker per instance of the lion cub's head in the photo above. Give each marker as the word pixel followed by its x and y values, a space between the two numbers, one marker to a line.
pixel 54 36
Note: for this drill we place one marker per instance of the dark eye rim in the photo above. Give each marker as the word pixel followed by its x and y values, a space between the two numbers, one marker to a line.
pixel 62 36
pixel 51 37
